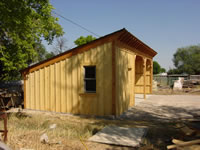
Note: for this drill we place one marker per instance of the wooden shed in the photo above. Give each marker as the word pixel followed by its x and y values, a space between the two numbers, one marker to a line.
pixel 99 78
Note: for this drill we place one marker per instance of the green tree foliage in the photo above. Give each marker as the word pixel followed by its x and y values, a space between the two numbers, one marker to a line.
pixel 84 40
pixel 41 53
pixel 173 71
pixel 157 68
pixel 187 60
pixel 22 25
pixel 49 55
pixel 162 70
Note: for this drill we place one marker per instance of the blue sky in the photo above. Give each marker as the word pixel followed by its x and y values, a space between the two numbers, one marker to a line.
pixel 164 25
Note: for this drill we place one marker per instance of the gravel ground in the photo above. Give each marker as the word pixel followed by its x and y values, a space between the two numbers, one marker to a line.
pixel 164 108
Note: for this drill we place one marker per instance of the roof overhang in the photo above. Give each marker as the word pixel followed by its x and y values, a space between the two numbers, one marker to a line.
pixel 132 41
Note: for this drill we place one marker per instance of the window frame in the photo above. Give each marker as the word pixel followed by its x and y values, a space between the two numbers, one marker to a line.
pixel 89 79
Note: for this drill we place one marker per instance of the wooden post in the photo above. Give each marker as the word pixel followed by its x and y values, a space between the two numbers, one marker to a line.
pixel 133 80
pixel 151 86
pixel 5 127
pixel 24 77
pixel 144 75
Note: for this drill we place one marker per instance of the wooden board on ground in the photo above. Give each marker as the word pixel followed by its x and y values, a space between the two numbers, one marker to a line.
pixel 120 136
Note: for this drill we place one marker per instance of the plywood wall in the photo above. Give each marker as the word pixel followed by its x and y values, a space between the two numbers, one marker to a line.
pixel 125 72
pixel 60 86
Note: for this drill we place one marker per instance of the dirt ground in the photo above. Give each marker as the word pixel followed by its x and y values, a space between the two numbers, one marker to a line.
pixel 164 108
pixel 163 116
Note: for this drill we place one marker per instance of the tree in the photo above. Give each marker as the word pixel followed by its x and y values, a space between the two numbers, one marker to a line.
pixel 187 60
pixel 49 55
pixel 173 71
pixel 157 68
pixel 22 25
pixel 84 40
pixel 41 53
pixel 60 45
pixel 162 70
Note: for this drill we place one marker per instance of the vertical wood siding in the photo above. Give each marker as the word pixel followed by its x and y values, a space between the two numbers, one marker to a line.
pixel 60 86
pixel 125 69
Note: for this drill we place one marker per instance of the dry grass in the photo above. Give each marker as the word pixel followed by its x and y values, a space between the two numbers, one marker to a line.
pixel 25 129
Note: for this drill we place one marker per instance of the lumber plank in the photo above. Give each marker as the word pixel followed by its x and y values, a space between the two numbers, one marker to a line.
pixel 182 144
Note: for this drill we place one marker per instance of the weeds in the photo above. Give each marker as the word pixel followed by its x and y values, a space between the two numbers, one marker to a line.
pixel 72 132
pixel 25 130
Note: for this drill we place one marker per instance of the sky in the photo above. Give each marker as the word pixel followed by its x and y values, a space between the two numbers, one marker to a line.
pixel 164 25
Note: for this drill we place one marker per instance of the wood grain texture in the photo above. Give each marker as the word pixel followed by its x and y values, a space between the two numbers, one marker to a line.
pixel 57 87
pixel 123 36
pixel 113 79
pixel 151 88
pixel 60 86
pixel 72 52
pixel 57 84
pixel 144 76
pixel 124 80
pixel 142 67
pixel 25 91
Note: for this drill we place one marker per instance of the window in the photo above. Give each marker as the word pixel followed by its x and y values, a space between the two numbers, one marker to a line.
pixel 90 79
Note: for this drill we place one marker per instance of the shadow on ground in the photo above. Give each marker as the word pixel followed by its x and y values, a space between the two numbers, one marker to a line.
pixel 160 113
pixel 161 123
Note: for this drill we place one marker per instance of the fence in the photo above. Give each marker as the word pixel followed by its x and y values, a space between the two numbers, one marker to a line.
pixel 194 77
pixel 168 80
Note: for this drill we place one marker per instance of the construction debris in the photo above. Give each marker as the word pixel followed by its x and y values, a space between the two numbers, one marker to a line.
pixel 10 98
pixel 190 131
pixel 155 85
pixel 120 136
pixel 181 144
pixel 187 131
pixel 178 84
pixel 52 126
pixel 44 139
pixel 3 146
